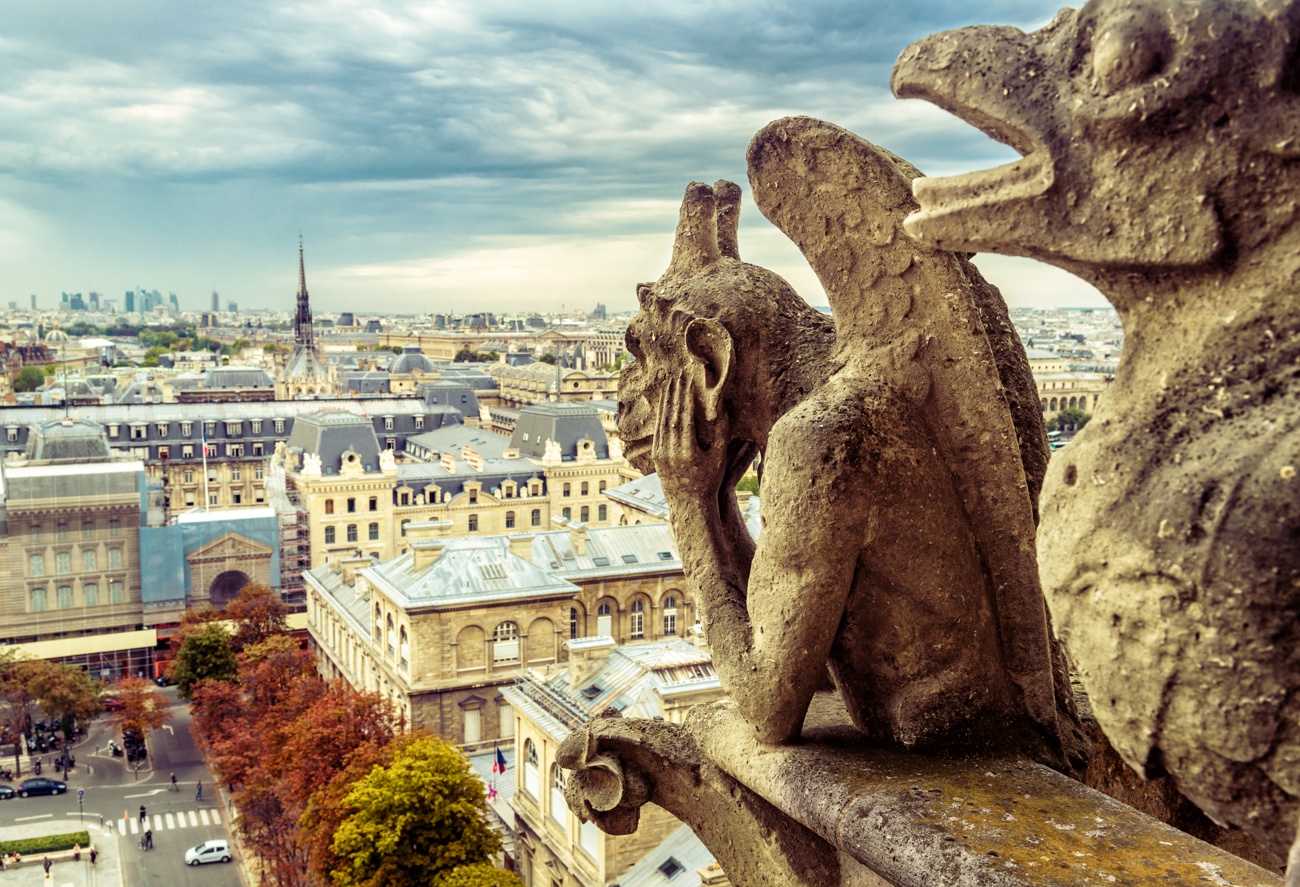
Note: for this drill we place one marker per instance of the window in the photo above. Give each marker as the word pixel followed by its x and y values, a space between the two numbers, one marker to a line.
pixel 473 497
pixel 139 432
pixel 601 487
pixel 259 448
pixel 114 526
pixel 189 499
pixel 90 594
pixel 162 429
pixel 236 473
pixel 329 506
pixel 257 426
pixel 164 452
pixel 388 638
pixel 12 433
pixel 352 532
pixel 235 450
pixel 329 535
pixel 585 514
pixel 604 621
pixel 638 619
pixel 403 650
pixel 506 718
pixel 419 422
pixel 279 426
pixel 379 624
pixel 531 780
pixel 372 532
pixel 584 489
pixel 87 529
pixel 187 451
pixel 115 558
pixel 36 533
pixel 374 503
pixel 212 475
pixel 259 473
pixel 404 499
pixel 212 499
pixel 64 595
pixel 670 615
pixel 210 429
pixel 573 622
pixel 187 429
pixel 473 725
pixel 588 838
pixel 567 490
pixel 352 506
pixel 602 514
pixel 113 431
pixel 559 810
pixel 568 514
pixel 61 531
pixel 388 423
pixel 117 592
pixel 38 600
pixel 510 520
pixel 671 867
pixel 88 560
pixel 536 517
pixel 237 498
pixel 505 644
pixel 36 565
pixel 390 443
pixel 404 523
pixel 63 562
pixel 473 523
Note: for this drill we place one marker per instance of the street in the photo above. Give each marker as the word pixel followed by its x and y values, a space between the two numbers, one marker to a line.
pixel 113 793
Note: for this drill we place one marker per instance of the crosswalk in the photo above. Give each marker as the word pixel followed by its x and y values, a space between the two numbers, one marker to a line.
pixel 166 821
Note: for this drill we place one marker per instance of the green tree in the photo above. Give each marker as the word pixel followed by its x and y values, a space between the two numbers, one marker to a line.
pixel 480 874
pixel 487 357
pixel 1068 418
pixel 464 355
pixel 204 655
pixel 749 483
pixel 65 693
pixel 415 820
pixel 548 357
pixel 30 378
pixel 17 701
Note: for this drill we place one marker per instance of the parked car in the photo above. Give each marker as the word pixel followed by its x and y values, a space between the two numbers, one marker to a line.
pixel 112 703
pixel 163 681
pixel 208 851
pixel 6 792
pixel 41 786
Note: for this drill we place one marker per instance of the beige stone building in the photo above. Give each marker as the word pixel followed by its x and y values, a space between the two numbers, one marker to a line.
pixel 1059 387
pixel 441 629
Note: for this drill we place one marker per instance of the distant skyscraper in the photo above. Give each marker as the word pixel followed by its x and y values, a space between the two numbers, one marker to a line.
pixel 77 302
pixel 174 302
pixel 13 306
pixel 216 302
pixel 94 301
pixel 130 301
pixel 232 307
pixel 33 300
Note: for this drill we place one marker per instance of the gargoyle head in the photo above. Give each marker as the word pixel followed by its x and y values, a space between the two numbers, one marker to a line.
pixel 1153 134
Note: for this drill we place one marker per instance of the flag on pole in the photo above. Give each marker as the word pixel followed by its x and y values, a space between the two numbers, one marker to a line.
pixel 492 791
pixel 499 765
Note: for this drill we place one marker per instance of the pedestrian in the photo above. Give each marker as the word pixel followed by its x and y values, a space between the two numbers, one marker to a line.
pixel 175 787
pixel 47 865
pixel 76 852
pixel 198 791
pixel 94 855
pixel 148 839
pixel 142 813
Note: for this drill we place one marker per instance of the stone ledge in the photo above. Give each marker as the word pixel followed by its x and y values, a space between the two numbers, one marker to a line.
pixel 918 821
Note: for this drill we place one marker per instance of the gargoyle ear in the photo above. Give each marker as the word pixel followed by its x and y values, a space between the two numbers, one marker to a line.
pixel 644 291
pixel 696 245
pixel 727 195
pixel 712 352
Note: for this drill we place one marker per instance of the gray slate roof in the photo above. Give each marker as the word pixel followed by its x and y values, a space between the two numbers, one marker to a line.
pixel 564 423
pixel 237 377
pixel 68 440
pixel 469 571
pixel 330 434
pixel 609 551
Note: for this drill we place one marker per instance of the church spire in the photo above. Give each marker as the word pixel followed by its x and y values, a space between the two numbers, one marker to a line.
pixel 302 328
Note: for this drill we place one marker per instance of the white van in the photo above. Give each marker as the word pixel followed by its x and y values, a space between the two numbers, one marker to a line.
pixel 208 851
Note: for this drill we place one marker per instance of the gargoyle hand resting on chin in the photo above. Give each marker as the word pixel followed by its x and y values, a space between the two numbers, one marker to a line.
pixel 902 451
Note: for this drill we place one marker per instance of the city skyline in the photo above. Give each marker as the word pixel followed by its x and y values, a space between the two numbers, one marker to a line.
pixel 435 157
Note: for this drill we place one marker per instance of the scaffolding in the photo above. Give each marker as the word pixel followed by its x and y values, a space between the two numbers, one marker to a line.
pixel 295 536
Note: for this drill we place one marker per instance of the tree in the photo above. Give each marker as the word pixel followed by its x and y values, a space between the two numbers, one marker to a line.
pixel 204 656
pixel 1068 418
pixel 66 693
pixel 548 357
pixel 17 676
pixel 143 709
pixel 480 874
pixel 30 378
pixel 415 820
pixel 258 613
pixel 464 355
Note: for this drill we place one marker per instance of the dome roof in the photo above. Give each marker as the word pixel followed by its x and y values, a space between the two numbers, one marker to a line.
pixel 56 334
pixel 411 360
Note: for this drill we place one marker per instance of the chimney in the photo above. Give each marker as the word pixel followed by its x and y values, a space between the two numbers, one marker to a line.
pixel 712 875
pixel 578 538
pixel 521 545
pixel 473 457
pixel 425 552
pixel 448 461
pixel 427 539
pixel 586 656
pixel 350 565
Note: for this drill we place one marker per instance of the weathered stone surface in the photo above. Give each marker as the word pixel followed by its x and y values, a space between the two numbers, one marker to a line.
pixel 901 451
pixel 1160 141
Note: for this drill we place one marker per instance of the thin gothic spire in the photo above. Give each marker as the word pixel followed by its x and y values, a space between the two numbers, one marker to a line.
pixel 302 327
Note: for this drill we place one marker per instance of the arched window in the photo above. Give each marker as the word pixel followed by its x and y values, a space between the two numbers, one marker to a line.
pixel 65 597
pixel 88 560
pixel 510 520
pixel 568 514
pixel 638 620
pixel 568 489
pixel 90 594
pixel 388 637
pixel 585 489
pixel 505 644
pixel 473 523
pixel 670 616
pixel 573 622
pixel 532 784
pixel 602 514
pixel 601 487
pixel 585 514
pixel 605 621
pixel 116 592
pixel 379 624
pixel 559 810
pixel 403 650
pixel 38 600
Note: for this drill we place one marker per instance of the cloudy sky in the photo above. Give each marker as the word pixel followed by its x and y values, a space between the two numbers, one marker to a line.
pixel 438 155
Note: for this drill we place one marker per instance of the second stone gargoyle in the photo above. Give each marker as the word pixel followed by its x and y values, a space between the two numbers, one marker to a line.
pixel 902 452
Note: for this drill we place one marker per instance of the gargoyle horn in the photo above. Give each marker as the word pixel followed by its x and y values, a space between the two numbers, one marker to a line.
pixel 727 195
pixel 696 246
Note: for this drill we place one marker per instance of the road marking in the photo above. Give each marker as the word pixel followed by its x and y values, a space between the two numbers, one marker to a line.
pixel 135 826
pixel 203 814
pixel 42 816
pixel 171 821
pixel 147 794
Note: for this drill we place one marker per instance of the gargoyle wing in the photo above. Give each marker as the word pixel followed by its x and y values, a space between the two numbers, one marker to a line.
pixel 935 331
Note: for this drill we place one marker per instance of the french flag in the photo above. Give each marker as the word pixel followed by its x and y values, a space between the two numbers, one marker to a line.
pixel 499 765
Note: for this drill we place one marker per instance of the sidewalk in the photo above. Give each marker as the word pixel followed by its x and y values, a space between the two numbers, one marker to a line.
pixel 107 871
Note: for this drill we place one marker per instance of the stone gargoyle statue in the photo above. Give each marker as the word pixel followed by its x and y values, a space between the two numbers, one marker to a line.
pixel 1161 162
pixel 901 448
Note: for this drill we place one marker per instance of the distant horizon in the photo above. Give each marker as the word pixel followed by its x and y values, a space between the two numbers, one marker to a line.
pixel 435 156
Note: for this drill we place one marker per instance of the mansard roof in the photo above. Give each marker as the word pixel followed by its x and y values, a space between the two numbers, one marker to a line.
pixel 564 423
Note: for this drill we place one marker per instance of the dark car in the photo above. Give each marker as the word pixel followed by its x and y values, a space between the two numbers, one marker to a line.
pixel 41 786
pixel 163 681
pixel 6 792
